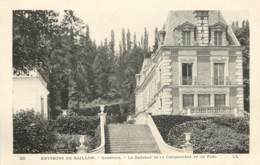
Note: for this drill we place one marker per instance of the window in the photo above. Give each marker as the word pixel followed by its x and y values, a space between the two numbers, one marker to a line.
pixel 218 38
pixel 203 100
pixel 186 38
pixel 187 74
pixel 218 73
pixel 220 100
pixel 188 100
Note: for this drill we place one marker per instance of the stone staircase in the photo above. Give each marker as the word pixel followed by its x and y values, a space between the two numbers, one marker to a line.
pixel 129 138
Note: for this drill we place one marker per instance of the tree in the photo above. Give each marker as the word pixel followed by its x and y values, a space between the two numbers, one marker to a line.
pixel 102 69
pixel 134 40
pixel 155 46
pixel 123 42
pixel 32 34
pixel 78 70
pixel 120 49
pixel 146 40
pixel 128 40
pixel 112 42
pixel 142 42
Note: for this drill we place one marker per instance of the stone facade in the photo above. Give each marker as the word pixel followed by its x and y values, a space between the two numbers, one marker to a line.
pixel 208 74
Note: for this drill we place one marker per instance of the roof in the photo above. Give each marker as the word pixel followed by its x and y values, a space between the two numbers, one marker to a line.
pixel 31 74
pixel 177 18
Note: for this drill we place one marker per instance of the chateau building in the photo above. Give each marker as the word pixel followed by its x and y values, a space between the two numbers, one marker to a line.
pixel 197 68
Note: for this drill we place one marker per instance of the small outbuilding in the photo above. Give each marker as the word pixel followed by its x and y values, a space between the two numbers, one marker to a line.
pixel 30 93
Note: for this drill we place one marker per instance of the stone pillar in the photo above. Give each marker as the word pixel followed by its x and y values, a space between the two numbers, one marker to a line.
pixel 235 112
pixel 188 111
pixel 195 100
pixel 212 101
pixel 102 115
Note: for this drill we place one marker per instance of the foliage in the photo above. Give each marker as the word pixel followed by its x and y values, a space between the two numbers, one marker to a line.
pixel 78 71
pixel 67 143
pixel 209 134
pixel 209 137
pixel 33 31
pixel 32 133
pixel 240 125
pixel 75 124
pixel 102 68
pixel 165 122
pixel 87 111
pixel 116 119
pixel 96 140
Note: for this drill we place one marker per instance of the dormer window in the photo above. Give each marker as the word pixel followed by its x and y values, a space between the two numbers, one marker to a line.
pixel 218 38
pixel 218 33
pixel 186 30
pixel 186 37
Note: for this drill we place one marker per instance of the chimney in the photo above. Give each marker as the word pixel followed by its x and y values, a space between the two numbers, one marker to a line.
pixel 161 36
pixel 202 22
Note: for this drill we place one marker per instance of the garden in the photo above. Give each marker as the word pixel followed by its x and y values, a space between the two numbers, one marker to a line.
pixel 209 134
pixel 34 134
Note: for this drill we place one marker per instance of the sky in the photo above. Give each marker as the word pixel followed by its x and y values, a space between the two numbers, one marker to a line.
pixel 101 23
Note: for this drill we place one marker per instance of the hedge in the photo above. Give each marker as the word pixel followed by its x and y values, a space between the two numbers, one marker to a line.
pixel 115 119
pixel 241 125
pixel 75 124
pixel 209 137
pixel 165 122
pixel 67 143
pixel 31 133
pixel 209 134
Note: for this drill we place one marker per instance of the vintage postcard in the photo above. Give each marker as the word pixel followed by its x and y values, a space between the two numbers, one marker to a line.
pixel 129 82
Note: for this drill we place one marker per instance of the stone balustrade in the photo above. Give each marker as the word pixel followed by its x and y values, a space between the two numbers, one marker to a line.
pixel 145 118
pixel 101 148
pixel 212 111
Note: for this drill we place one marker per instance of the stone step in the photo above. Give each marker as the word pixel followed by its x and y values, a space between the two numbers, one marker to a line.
pixel 131 145
pixel 132 151
pixel 132 141
pixel 120 150
pixel 137 147
pixel 129 138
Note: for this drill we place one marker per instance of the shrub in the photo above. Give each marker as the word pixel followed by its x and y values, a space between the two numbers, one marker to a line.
pixel 75 124
pixel 115 119
pixel 87 111
pixel 67 143
pixel 209 137
pixel 165 122
pixel 241 125
pixel 96 140
pixel 32 133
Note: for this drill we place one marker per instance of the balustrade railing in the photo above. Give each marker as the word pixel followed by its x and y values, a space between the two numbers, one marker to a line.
pixel 196 81
pixel 210 111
